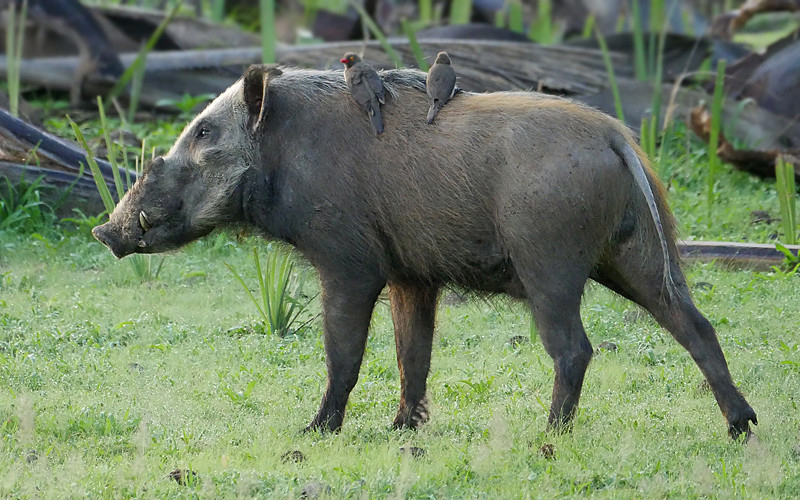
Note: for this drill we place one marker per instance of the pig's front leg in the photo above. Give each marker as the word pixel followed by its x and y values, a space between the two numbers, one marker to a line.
pixel 347 305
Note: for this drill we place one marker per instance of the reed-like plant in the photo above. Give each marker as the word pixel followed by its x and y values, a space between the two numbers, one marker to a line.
pixel 378 34
pixel 784 177
pixel 414 44
pixel 541 29
pixel 15 32
pixel 713 140
pixel 588 26
pixel 460 11
pixel 268 37
pixel 217 13
pixel 612 79
pixel 515 20
pixel 280 291
pixel 426 11
pixel 138 65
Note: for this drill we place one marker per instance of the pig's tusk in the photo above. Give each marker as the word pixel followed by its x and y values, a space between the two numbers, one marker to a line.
pixel 142 244
pixel 143 221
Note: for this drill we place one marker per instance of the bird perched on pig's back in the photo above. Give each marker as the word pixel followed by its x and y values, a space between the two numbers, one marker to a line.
pixel 441 84
pixel 366 87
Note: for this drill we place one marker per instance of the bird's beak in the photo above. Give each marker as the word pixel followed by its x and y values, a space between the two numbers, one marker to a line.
pixel 343 61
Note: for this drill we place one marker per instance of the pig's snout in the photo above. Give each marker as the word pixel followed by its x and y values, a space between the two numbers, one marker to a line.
pixel 109 237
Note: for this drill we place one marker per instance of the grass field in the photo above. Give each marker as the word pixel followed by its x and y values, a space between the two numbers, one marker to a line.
pixel 110 383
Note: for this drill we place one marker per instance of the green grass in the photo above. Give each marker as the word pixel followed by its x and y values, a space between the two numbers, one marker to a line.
pixel 115 383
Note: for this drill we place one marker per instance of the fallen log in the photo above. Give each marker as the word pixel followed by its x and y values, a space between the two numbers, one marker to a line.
pixel 482 65
pixel 751 256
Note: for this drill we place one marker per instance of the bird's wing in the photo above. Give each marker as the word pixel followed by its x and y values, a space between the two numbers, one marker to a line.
pixel 361 93
pixel 373 80
pixel 441 81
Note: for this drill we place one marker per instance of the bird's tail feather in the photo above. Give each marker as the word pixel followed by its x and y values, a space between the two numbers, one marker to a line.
pixel 432 113
pixel 377 121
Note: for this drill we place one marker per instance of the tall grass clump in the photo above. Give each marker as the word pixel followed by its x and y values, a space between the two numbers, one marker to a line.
pixel 15 31
pixel 143 266
pixel 280 292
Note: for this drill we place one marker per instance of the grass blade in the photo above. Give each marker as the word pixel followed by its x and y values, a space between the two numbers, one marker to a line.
pixel 713 140
pixel 426 11
pixel 415 48
pixel 267 10
pixel 639 65
pixel 102 188
pixel 123 81
pixel 246 289
pixel 110 148
pixel 136 84
pixel 378 34
pixel 15 32
pixel 612 80
pixel 460 11
pixel 784 177
pixel 541 30
pixel 515 22
pixel 588 26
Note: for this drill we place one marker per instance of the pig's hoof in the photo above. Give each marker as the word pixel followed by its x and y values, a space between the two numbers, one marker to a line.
pixel 739 423
pixel 411 417
pixel 324 425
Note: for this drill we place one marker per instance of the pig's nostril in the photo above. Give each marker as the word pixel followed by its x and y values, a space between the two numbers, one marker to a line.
pixel 100 236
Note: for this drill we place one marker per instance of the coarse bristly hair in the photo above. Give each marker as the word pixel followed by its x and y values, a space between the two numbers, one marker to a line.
pixel 308 84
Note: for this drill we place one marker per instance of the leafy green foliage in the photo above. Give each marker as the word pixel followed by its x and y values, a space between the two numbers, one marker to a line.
pixel 281 291
pixel 22 208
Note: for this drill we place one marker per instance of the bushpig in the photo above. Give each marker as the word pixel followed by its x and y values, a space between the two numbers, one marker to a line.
pixel 511 193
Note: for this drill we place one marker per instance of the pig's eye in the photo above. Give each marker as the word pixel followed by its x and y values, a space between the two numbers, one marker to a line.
pixel 203 132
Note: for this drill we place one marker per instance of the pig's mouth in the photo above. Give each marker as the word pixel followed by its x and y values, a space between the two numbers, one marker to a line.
pixel 114 240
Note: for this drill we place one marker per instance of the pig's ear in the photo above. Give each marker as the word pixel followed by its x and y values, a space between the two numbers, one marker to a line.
pixel 256 86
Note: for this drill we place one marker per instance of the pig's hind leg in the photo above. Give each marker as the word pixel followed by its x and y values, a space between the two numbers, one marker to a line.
pixel 413 314
pixel 554 293
pixel 634 273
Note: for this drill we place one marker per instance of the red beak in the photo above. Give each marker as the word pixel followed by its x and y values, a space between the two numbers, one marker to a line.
pixel 343 60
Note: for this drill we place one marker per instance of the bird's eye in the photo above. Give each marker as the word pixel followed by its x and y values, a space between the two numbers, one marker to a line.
pixel 203 132
pixel 351 58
